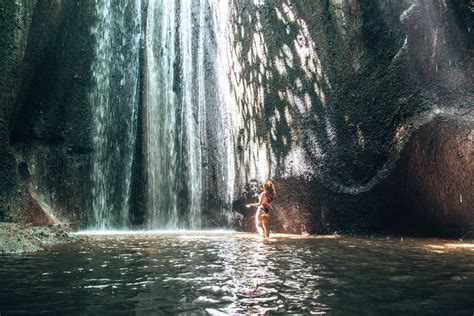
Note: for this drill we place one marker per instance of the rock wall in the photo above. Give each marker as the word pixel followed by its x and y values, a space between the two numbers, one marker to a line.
pixel 14 19
pixel 430 190
pixel 361 111
pixel 329 92
pixel 45 119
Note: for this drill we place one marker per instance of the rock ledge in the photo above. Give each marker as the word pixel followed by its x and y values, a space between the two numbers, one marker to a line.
pixel 15 239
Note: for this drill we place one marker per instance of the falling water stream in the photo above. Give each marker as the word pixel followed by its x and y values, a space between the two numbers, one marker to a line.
pixel 184 88
pixel 114 101
pixel 161 115
pixel 186 97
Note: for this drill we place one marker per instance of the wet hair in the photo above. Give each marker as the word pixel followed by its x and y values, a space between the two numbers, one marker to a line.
pixel 269 189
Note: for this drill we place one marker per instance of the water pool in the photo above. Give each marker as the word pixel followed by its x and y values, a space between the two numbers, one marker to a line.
pixel 222 272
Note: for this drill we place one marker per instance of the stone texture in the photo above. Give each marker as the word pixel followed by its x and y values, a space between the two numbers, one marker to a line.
pixel 45 119
pixel 339 101
pixel 331 91
pixel 15 19
pixel 15 239
pixel 431 188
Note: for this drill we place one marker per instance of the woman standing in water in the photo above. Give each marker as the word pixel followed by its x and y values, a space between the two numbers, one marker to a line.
pixel 264 206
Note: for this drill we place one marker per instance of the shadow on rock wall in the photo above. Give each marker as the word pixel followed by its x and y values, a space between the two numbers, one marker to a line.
pixel 326 95
pixel 332 90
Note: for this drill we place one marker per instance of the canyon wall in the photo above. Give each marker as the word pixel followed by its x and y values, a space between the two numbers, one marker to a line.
pixel 328 95
pixel 361 111
pixel 45 136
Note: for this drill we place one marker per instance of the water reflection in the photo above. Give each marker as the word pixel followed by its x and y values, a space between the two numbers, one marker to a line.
pixel 238 273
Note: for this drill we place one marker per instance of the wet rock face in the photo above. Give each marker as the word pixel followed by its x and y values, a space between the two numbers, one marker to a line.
pixel 433 181
pixel 333 90
pixel 14 21
pixel 326 95
pixel 44 138
pixel 342 79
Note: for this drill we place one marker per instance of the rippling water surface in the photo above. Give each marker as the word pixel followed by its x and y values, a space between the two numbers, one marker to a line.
pixel 213 273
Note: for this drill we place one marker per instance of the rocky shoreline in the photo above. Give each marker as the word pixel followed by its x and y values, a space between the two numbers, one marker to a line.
pixel 15 239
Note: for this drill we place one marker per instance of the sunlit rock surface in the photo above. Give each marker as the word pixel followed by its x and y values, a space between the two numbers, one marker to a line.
pixel 323 97
pixel 329 92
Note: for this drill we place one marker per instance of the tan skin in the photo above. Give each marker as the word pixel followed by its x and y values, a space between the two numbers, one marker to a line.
pixel 261 218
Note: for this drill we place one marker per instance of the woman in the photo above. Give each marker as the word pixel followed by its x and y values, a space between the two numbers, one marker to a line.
pixel 264 206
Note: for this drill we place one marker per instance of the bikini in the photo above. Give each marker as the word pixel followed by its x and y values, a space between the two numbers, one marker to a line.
pixel 266 209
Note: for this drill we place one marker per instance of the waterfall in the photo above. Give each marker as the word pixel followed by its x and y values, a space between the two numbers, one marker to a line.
pixel 190 32
pixel 187 125
pixel 185 82
pixel 161 105
pixel 219 116
pixel 114 102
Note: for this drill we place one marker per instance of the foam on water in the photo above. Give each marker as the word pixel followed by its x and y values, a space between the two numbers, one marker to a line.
pixel 154 232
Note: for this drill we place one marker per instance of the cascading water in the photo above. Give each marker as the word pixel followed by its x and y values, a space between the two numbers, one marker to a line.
pixel 220 118
pixel 161 116
pixel 114 100
pixel 192 95
pixel 185 79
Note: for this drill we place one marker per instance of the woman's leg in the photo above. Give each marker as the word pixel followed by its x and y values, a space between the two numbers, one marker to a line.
pixel 266 229
pixel 258 222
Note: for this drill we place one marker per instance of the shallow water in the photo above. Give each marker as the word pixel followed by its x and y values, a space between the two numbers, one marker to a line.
pixel 238 273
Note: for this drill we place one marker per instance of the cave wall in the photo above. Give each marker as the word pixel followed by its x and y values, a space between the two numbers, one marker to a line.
pixel 361 111
pixel 327 95
pixel 14 21
pixel 431 187
pixel 45 135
